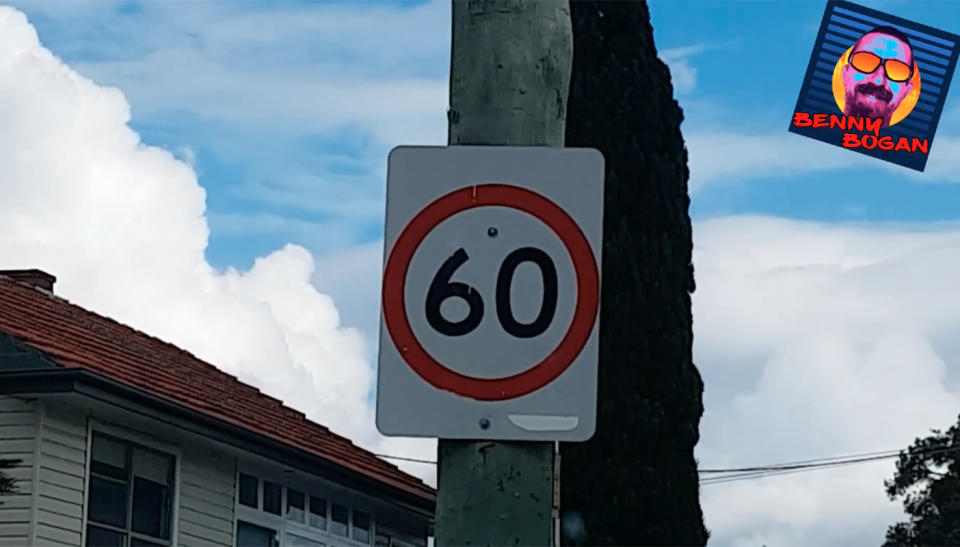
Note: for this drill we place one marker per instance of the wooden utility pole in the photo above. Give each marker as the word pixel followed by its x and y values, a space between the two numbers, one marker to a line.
pixel 509 81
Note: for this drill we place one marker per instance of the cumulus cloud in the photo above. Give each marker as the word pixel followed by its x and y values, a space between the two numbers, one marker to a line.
pixel 819 340
pixel 312 96
pixel 123 226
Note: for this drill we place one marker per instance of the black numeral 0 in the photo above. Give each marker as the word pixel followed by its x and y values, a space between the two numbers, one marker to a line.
pixel 442 288
pixel 505 281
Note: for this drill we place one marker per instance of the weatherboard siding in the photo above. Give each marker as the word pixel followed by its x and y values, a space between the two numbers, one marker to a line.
pixel 207 482
pixel 61 478
pixel 19 421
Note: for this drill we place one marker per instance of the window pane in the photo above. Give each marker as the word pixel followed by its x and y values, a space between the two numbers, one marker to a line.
pixel 361 526
pixel 249 535
pixel 108 502
pixel 271 497
pixel 248 490
pixel 318 513
pixel 98 537
pixel 297 541
pixel 153 466
pixel 109 457
pixel 137 542
pixel 295 505
pixel 151 508
pixel 383 540
pixel 338 520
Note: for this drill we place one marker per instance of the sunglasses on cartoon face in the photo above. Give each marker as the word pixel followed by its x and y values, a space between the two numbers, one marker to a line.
pixel 867 63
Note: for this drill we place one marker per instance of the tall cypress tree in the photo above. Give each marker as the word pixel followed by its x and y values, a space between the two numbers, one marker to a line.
pixel 635 482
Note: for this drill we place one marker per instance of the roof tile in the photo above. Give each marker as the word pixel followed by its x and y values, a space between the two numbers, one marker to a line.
pixel 75 337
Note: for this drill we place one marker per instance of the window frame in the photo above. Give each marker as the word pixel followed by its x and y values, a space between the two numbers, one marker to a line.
pixel 284 526
pixel 132 439
pixel 239 520
pixel 371 532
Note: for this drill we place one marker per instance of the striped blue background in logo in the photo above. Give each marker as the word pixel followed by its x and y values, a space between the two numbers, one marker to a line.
pixel 935 53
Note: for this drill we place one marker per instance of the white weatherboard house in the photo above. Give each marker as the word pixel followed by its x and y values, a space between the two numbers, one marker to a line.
pixel 127 441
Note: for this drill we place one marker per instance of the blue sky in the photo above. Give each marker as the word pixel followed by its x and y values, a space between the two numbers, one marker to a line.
pixel 747 58
pixel 749 84
pixel 824 278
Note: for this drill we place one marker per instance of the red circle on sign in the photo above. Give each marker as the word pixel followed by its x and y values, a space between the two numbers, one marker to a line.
pixel 542 373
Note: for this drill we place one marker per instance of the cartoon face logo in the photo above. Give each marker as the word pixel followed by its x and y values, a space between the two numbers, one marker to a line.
pixel 878 77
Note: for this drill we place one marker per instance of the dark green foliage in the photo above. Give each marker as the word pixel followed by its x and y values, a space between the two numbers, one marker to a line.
pixel 928 479
pixel 7 485
pixel 635 482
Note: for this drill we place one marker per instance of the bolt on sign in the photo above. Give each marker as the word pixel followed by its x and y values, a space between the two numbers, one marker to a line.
pixel 876 84
pixel 491 293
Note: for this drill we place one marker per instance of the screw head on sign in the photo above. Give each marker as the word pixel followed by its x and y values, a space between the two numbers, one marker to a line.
pixel 484 423
pixel 492 232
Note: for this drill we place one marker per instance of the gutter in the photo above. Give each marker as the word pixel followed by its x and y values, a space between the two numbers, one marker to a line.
pixel 59 380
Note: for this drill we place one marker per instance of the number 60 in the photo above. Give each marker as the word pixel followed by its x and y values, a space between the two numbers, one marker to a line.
pixel 441 288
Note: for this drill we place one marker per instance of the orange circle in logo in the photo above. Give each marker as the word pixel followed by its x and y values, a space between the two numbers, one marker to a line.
pixel 902 111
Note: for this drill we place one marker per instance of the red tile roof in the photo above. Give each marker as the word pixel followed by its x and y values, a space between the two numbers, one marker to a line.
pixel 75 337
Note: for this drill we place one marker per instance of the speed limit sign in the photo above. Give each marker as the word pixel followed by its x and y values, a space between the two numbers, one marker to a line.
pixel 491 293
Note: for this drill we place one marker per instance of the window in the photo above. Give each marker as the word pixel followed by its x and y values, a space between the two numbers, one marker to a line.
pixel 318 513
pixel 131 492
pixel 251 535
pixel 338 520
pixel 274 515
pixel 382 540
pixel 295 505
pixel 361 526
pixel 272 493
pixel 248 490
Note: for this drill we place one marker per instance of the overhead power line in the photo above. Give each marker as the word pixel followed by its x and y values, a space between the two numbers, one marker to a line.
pixel 801 462
pixel 761 471
pixel 747 473
pixel 786 470
pixel 405 459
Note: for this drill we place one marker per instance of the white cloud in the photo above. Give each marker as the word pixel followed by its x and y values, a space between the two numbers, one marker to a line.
pixel 303 99
pixel 819 340
pixel 271 77
pixel 309 68
pixel 724 157
pixel 123 227
pixel 682 73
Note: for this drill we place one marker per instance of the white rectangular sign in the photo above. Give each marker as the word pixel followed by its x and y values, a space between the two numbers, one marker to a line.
pixel 491 293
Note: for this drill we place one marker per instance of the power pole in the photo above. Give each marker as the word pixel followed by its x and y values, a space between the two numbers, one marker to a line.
pixel 509 81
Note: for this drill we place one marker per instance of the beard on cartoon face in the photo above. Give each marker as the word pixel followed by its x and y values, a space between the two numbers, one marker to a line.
pixel 869 100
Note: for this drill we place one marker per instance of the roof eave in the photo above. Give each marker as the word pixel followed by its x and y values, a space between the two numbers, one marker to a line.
pixel 85 382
